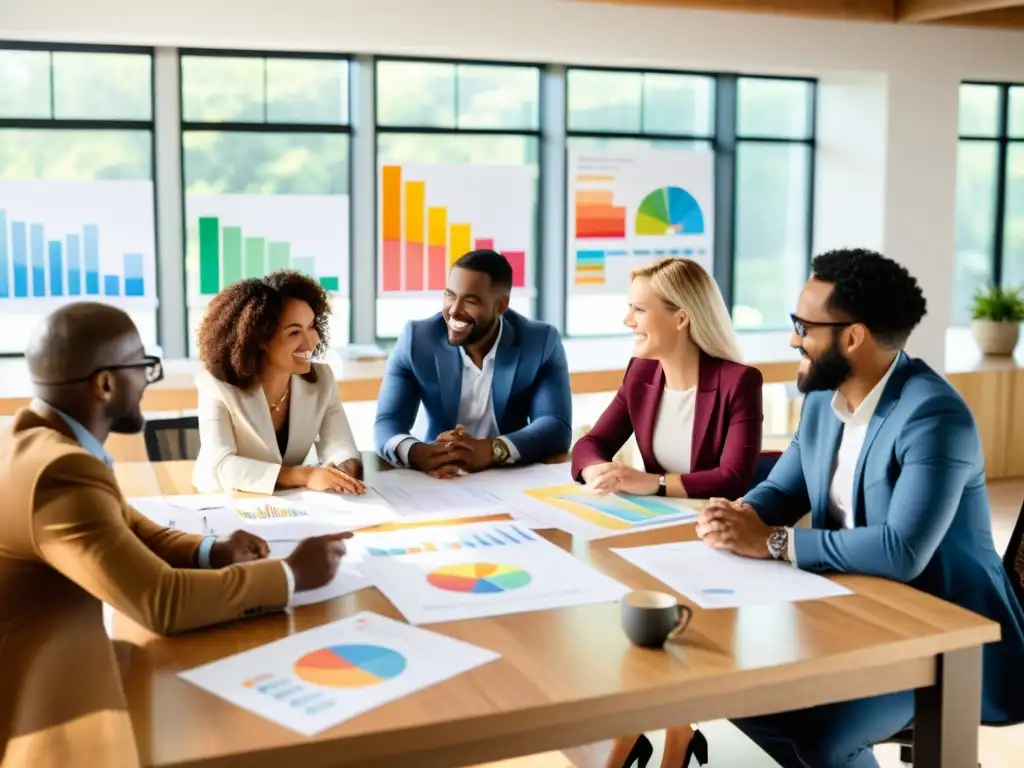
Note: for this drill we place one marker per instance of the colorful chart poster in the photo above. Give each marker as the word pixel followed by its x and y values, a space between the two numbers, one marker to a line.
pixel 430 215
pixel 436 574
pixel 573 508
pixel 314 680
pixel 231 237
pixel 64 241
pixel 631 207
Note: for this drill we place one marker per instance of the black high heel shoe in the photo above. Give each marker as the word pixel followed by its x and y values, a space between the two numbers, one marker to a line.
pixel 641 753
pixel 698 747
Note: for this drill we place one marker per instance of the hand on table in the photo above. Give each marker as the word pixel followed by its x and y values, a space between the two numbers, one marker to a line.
pixel 351 467
pixel 315 561
pixel 612 477
pixel 239 547
pixel 334 480
pixel 735 527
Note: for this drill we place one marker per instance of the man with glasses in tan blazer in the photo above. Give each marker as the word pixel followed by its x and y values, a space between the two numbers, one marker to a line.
pixel 69 543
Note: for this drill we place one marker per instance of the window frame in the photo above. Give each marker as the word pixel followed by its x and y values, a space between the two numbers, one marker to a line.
pixel 265 127
pixel 97 124
pixel 1002 140
pixel 537 133
pixel 724 140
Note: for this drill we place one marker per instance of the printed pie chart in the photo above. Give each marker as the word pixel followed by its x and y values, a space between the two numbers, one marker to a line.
pixel 479 578
pixel 669 211
pixel 350 666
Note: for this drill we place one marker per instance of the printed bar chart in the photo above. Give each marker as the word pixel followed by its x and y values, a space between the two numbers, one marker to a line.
pixel 229 253
pixel 420 239
pixel 597 216
pixel 43 267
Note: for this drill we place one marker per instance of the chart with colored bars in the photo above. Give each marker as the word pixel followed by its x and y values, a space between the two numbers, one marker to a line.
pixel 430 215
pixel 233 237
pixel 631 208
pixel 71 240
pixel 468 537
pixel 595 515
pixel 259 512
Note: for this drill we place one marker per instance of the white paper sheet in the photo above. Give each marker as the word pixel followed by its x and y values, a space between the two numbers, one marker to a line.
pixel 447 573
pixel 712 578
pixel 348 579
pixel 314 680
pixel 168 514
pixel 412 494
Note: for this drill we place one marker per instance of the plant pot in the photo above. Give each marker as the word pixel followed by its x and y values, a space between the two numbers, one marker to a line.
pixel 995 338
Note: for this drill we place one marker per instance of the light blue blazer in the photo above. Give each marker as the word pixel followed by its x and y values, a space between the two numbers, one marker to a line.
pixel 532 398
pixel 921 511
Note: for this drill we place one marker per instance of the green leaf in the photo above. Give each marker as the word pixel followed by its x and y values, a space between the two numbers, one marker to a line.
pixel 1000 305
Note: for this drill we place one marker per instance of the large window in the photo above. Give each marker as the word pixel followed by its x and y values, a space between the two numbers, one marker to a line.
pixel 72 118
pixel 447 115
pixel 773 181
pixel 761 132
pixel 266 173
pixel 990 192
pixel 615 110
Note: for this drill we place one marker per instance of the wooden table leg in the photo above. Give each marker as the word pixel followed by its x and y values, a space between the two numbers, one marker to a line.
pixel 947 715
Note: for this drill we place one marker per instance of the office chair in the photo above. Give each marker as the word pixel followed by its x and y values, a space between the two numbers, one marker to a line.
pixel 1013 563
pixel 765 462
pixel 172 439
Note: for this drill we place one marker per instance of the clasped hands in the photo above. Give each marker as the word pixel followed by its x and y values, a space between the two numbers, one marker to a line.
pixel 612 477
pixel 451 453
pixel 733 526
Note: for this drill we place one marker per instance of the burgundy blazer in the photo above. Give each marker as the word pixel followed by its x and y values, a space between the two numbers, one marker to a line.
pixel 727 422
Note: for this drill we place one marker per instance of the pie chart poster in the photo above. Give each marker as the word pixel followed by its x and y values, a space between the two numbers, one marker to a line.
pixel 314 680
pixel 630 207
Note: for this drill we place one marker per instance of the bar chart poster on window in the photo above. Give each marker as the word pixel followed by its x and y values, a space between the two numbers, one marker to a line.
pixel 63 241
pixel 631 207
pixel 231 237
pixel 430 215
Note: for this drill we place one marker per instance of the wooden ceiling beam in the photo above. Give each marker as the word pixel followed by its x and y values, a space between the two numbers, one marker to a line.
pixel 935 10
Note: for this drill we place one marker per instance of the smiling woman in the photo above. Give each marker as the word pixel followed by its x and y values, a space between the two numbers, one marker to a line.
pixel 263 401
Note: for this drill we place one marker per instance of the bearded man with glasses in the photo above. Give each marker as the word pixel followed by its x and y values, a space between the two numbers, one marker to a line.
pixel 69 542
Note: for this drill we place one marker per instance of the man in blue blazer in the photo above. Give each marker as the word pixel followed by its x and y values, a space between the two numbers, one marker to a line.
pixel 888 460
pixel 495 385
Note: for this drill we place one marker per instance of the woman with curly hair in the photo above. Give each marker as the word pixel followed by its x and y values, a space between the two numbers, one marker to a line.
pixel 263 401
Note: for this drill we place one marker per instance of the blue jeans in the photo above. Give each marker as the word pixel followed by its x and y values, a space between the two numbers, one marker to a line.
pixel 832 735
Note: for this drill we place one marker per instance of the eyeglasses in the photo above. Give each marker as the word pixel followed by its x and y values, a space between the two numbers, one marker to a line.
pixel 151 365
pixel 801 326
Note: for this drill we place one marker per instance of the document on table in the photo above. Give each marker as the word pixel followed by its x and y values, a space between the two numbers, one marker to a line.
pixel 311 681
pixel 166 511
pixel 712 578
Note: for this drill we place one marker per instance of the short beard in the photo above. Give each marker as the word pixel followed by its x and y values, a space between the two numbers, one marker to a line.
pixel 828 372
pixel 480 330
pixel 127 423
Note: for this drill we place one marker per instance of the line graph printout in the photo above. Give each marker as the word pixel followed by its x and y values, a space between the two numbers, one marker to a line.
pixel 311 681
pixel 446 573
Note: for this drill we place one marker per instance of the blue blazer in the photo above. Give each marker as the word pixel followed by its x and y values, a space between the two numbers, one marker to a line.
pixel 921 511
pixel 532 399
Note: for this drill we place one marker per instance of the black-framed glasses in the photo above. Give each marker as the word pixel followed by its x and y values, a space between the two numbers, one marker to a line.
pixel 150 364
pixel 801 326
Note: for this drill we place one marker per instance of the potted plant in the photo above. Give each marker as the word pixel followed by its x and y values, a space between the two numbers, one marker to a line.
pixel 997 314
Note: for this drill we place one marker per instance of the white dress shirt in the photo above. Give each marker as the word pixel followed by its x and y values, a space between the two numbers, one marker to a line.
pixel 673 430
pixel 844 467
pixel 476 405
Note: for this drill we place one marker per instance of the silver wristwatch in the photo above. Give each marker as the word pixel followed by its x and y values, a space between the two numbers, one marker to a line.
pixel 778 543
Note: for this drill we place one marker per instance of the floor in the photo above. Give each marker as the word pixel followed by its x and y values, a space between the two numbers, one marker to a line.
pixel 728 748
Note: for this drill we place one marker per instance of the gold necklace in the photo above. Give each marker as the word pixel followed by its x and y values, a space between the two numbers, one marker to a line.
pixel 277 405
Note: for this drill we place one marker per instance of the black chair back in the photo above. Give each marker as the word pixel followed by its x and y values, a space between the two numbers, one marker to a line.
pixel 765 462
pixel 1013 558
pixel 172 439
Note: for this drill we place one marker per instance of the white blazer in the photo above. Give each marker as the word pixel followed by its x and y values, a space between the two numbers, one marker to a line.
pixel 238 447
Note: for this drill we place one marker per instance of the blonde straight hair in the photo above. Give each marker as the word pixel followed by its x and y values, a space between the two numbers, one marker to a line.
pixel 684 284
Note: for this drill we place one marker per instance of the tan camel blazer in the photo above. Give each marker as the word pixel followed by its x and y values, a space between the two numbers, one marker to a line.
pixel 69 543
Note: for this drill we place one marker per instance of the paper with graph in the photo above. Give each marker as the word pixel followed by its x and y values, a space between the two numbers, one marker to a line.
pixel 712 578
pixel 573 508
pixel 314 680
pixel 447 573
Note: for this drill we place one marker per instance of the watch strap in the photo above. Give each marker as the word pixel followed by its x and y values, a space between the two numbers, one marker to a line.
pixel 662 489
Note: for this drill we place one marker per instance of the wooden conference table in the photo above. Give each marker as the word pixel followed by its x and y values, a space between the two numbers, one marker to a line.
pixel 569 677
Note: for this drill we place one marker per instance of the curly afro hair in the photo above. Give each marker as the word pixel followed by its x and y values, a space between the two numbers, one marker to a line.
pixel 871 289
pixel 242 319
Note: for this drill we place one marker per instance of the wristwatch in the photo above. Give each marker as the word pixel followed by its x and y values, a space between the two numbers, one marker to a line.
pixel 499 451
pixel 778 543
pixel 661 486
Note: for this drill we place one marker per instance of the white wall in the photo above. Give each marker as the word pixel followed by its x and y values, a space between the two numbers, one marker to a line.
pixel 886 176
